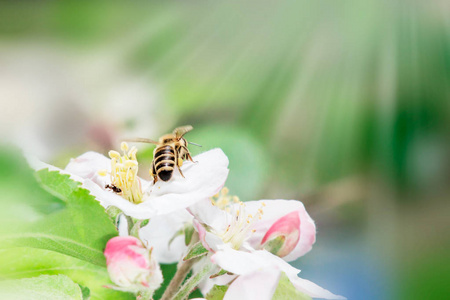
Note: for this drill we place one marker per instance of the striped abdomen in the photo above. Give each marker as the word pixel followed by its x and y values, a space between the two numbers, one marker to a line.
pixel 164 162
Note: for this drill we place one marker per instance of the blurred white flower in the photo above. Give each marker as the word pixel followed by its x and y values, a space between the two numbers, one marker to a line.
pixel 160 234
pixel 54 99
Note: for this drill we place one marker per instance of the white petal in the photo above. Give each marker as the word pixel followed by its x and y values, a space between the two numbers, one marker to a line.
pixel 88 164
pixel 312 289
pixel 260 285
pixel 208 283
pixel 202 180
pixel 239 262
pixel 207 213
pixel 160 230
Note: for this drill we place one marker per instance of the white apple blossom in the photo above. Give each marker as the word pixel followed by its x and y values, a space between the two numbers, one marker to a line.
pixel 281 226
pixel 139 198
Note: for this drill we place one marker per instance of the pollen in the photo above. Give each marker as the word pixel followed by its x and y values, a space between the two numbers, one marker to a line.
pixel 102 172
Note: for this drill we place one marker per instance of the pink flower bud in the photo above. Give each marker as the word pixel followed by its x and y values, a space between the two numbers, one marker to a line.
pixel 290 236
pixel 130 264
pixel 283 235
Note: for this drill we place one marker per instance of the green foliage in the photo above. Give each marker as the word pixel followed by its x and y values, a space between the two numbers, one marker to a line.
pixel 285 290
pixel 80 230
pixel 217 292
pixel 248 161
pixel 196 250
pixel 23 262
pixel 86 292
pixel 42 287
pixel 41 234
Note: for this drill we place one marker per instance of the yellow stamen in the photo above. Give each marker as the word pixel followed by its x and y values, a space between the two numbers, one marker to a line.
pixel 114 154
pixel 124 171
pixel 124 146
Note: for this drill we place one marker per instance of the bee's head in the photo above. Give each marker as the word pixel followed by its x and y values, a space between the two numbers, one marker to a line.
pixel 183 141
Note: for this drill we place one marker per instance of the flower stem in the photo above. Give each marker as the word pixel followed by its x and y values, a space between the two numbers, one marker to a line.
pixel 183 269
pixel 192 282
pixel 144 295
pixel 181 273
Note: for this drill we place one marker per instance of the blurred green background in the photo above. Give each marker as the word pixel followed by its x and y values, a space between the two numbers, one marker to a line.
pixel 341 104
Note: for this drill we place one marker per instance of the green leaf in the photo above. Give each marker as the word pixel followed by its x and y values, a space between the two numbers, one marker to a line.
pixel 217 292
pixel 81 228
pixel 23 262
pixel 188 233
pixel 86 292
pixel 285 290
pixel 195 251
pixel 42 287
pixel 220 273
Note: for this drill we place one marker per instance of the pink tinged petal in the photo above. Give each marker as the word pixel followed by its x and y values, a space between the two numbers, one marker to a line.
pixel 307 236
pixel 274 210
pixel 288 229
pixel 260 285
pixel 129 264
pixel 209 240
pixel 313 290
pixel 125 248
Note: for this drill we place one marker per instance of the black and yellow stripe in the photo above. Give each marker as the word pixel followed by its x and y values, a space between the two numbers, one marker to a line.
pixel 164 162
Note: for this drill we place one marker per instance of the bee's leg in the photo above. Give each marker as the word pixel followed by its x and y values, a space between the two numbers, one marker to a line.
pixel 187 154
pixel 153 173
pixel 181 172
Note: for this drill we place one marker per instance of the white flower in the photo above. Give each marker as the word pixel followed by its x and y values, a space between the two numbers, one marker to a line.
pixel 282 227
pixel 259 273
pixel 141 199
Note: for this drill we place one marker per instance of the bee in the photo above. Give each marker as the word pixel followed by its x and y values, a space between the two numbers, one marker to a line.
pixel 170 152
pixel 113 188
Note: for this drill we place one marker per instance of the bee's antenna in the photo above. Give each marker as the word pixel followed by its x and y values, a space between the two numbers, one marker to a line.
pixel 195 144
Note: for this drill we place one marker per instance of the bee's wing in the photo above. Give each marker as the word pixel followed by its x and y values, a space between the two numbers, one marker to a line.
pixel 142 140
pixel 180 131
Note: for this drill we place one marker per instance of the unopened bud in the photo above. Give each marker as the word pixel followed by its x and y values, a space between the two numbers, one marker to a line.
pixel 283 235
pixel 131 266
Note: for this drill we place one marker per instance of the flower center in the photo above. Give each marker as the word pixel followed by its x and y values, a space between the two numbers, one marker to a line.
pixel 240 223
pixel 124 170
